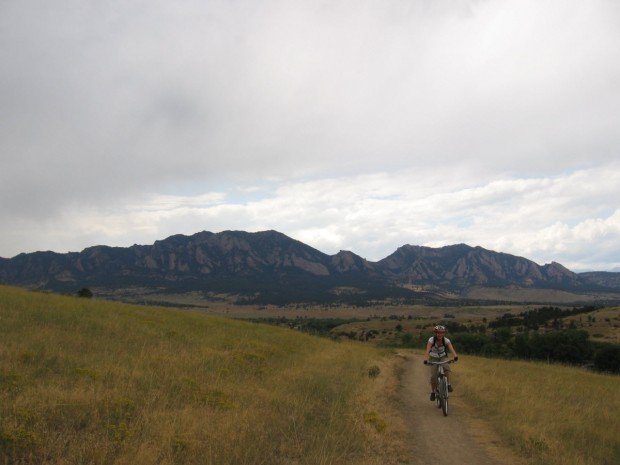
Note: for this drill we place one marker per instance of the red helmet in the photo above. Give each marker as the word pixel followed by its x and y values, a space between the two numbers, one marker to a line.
pixel 440 329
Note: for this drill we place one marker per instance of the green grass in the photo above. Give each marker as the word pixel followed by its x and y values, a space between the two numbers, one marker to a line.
pixel 93 382
pixel 551 414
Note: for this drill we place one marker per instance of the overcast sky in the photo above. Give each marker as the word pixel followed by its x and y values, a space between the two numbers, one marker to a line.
pixel 358 125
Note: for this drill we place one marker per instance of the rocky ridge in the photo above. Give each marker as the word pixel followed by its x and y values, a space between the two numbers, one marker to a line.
pixel 271 263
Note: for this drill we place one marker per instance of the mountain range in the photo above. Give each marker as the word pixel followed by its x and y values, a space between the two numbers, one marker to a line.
pixel 270 267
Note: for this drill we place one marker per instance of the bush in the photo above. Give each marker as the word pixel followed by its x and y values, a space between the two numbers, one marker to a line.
pixel 470 343
pixel 373 418
pixel 374 371
pixel 564 346
pixel 85 292
pixel 608 359
pixel 569 346
pixel 408 340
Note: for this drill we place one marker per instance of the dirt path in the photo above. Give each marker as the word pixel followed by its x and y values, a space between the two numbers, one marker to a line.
pixel 462 437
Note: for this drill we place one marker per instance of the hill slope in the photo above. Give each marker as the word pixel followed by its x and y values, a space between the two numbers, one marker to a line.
pixel 85 381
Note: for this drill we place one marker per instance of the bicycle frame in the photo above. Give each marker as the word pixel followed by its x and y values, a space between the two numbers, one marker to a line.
pixel 442 394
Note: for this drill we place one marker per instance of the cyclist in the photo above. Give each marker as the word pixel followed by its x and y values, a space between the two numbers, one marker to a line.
pixel 437 349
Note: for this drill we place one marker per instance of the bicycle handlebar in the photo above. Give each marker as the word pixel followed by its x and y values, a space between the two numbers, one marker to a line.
pixel 428 362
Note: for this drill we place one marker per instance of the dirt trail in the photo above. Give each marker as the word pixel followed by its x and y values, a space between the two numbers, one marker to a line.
pixel 459 438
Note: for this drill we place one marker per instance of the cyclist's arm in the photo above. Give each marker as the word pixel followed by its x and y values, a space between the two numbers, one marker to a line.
pixel 451 349
pixel 429 346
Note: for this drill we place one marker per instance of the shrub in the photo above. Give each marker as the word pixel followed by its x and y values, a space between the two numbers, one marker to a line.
pixel 374 371
pixel 85 292
pixel 608 359
pixel 470 343
pixel 373 418
pixel 565 346
pixel 408 340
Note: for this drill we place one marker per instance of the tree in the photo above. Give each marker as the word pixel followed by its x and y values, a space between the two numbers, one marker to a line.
pixel 85 292
pixel 608 359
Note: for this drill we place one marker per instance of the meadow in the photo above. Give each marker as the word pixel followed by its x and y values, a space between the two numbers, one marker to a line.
pixel 602 325
pixel 84 381
pixel 95 382
pixel 550 414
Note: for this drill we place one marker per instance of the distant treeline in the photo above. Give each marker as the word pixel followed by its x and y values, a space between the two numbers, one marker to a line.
pixel 534 319
pixel 517 336
pixel 570 346
pixel 315 326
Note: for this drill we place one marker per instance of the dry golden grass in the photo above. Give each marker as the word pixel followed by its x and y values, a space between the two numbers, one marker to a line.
pixel 551 414
pixel 94 382
pixel 386 430
pixel 602 325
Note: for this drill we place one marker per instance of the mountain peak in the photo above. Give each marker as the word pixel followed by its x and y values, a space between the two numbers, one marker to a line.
pixel 345 261
pixel 246 263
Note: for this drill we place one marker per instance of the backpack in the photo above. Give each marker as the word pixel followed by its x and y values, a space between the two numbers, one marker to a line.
pixel 445 346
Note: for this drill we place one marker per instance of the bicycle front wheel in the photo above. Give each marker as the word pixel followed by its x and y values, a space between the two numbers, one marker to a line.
pixel 443 395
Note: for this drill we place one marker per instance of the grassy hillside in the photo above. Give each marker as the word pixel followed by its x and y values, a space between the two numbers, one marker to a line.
pixel 95 382
pixel 602 325
pixel 552 414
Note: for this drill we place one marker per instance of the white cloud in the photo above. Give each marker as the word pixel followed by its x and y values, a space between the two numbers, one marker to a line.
pixel 363 125
pixel 176 202
pixel 545 219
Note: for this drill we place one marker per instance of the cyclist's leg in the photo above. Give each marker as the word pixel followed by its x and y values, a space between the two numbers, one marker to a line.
pixel 447 370
pixel 433 380
pixel 434 369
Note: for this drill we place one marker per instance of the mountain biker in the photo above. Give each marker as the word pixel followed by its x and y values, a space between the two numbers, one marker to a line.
pixel 437 349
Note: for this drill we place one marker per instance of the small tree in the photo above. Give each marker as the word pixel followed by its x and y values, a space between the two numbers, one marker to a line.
pixel 85 292
pixel 608 359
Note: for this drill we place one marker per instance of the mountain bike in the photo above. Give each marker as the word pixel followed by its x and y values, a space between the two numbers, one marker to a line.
pixel 442 394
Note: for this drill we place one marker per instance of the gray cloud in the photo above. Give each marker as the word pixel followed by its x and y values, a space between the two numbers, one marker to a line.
pixel 573 218
pixel 105 103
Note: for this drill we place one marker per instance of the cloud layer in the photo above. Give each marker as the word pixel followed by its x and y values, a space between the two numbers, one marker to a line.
pixel 361 125
pixel 574 219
